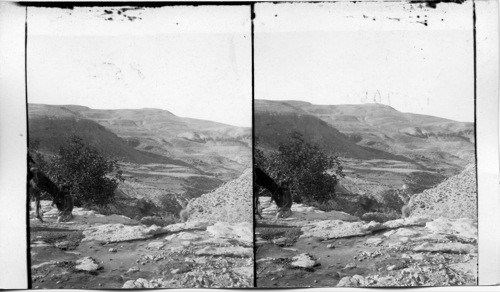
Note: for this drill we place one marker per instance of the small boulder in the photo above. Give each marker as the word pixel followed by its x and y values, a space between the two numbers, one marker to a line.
pixel 63 245
pixel 137 284
pixel 354 281
pixel 280 241
pixel 133 270
pixel 304 260
pixel 349 266
pixel 87 264
pixel 156 244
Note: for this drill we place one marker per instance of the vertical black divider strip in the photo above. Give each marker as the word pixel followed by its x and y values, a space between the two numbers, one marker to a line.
pixel 475 118
pixel 28 246
pixel 252 17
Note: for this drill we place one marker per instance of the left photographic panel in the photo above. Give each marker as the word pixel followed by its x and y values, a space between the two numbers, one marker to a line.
pixel 139 146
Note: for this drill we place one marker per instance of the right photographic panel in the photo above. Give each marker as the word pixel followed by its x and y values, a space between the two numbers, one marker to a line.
pixel 365 155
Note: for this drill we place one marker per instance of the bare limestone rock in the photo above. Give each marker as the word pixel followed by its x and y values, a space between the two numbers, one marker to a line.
pixel 230 251
pixel 184 236
pixel 374 241
pixel 120 232
pixel 49 263
pixel 88 264
pixel 454 198
pixel 242 231
pixel 232 202
pixel 246 272
pixel 463 227
pixel 81 216
pixel 329 229
pixel 156 245
pixel 406 232
pixel 138 284
pixel 354 281
pixel 62 245
pixel 411 221
pixel 186 226
pixel 304 260
pixel 448 247
pixel 281 241
pixel 301 208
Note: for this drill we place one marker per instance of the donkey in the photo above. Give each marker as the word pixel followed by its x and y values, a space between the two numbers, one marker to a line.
pixel 38 183
pixel 279 194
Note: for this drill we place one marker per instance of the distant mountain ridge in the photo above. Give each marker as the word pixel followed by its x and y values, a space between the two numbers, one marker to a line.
pixel 435 142
pixel 272 129
pixel 146 136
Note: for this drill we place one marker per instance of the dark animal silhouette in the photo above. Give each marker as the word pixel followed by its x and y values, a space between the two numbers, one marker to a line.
pixel 279 194
pixel 38 183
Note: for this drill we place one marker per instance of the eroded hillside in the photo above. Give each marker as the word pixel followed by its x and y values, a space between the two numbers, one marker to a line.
pixel 436 143
pixel 166 160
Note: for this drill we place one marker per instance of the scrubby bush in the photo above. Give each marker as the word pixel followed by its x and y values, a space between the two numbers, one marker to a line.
pixel 90 177
pixel 390 200
pixel 303 168
pixel 145 207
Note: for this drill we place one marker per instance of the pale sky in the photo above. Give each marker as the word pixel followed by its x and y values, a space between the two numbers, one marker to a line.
pixel 414 58
pixel 192 61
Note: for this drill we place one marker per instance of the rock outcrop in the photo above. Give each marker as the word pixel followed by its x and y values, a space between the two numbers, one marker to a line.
pixel 456 197
pixel 232 202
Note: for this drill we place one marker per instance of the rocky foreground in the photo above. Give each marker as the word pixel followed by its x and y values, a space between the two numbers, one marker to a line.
pixel 94 251
pixel 435 246
pixel 324 249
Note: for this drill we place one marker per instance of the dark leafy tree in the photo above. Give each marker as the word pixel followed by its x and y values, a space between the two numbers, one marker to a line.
pixel 91 177
pixel 309 173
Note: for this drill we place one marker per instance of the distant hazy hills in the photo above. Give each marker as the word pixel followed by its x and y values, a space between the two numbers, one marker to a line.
pixel 272 130
pixel 145 136
pixel 368 131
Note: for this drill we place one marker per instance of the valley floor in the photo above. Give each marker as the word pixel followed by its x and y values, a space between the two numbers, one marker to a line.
pixel 325 249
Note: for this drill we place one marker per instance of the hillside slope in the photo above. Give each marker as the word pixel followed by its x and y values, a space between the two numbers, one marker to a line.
pixel 209 146
pixel 435 142
pixel 52 133
pixel 272 130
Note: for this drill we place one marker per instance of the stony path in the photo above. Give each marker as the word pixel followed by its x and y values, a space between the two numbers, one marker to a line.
pixel 324 249
pixel 95 252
